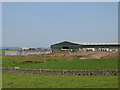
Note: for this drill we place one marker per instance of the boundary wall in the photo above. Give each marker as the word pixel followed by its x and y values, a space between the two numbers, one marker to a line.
pixel 61 72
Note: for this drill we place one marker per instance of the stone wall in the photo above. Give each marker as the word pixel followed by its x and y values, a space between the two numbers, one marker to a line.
pixel 61 72
pixel 32 52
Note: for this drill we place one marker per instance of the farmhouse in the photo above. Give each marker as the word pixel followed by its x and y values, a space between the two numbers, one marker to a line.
pixel 68 45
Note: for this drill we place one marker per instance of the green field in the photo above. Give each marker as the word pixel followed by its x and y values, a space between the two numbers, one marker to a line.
pixel 19 80
pixel 58 63
pixel 12 80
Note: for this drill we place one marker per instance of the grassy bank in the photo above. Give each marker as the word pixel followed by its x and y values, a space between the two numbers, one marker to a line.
pixel 12 80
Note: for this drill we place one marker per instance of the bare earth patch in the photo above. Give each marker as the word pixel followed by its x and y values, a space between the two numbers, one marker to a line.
pixel 87 55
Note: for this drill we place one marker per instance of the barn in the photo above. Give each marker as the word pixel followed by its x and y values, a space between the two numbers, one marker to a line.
pixel 68 45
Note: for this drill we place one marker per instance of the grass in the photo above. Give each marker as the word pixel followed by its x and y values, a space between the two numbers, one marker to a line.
pixel 58 63
pixel 19 80
pixel 3 52
pixel 15 80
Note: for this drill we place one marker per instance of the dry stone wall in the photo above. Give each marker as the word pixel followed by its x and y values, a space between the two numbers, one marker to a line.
pixel 26 52
pixel 61 72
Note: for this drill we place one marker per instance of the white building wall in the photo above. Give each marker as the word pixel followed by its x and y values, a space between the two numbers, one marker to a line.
pixel 89 49
pixel 99 49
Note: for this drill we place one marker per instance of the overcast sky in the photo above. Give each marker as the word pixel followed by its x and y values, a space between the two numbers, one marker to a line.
pixel 42 24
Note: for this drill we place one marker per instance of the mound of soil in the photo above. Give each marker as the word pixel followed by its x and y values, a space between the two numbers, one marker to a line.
pixel 88 54
pixel 99 55
pixel 85 55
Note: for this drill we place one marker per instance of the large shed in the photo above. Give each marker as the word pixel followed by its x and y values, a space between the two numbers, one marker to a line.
pixel 65 45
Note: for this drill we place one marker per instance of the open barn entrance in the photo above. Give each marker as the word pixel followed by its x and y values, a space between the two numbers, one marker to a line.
pixel 65 47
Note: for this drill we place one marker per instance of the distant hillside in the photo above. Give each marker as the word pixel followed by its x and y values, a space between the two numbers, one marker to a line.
pixel 10 48
pixel 15 48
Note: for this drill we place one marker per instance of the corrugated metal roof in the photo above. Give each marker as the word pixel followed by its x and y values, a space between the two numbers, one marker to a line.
pixel 96 43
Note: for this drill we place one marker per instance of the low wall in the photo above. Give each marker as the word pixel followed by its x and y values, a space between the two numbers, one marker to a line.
pixel 26 52
pixel 61 72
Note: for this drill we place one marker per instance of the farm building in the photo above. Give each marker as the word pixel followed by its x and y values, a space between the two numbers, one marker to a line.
pixel 30 48
pixel 68 45
pixel 24 48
